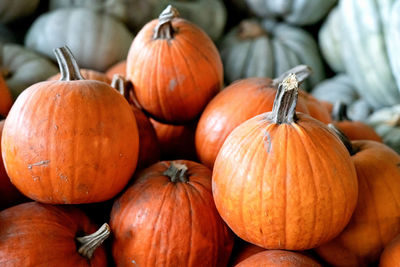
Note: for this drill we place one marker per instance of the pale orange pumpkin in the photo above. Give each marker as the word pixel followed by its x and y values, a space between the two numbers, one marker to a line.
pixel 284 180
pixel 278 258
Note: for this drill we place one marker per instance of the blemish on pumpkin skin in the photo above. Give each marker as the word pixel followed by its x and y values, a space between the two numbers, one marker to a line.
pixel 172 84
pixel 267 141
pixel 40 163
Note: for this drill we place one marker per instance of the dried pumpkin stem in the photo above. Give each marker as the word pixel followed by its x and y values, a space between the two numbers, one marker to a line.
pixel 345 140
pixel 250 29
pixel 177 172
pixel 302 72
pixel 339 112
pixel 164 29
pixel 69 68
pixel 125 88
pixel 93 241
pixel 284 108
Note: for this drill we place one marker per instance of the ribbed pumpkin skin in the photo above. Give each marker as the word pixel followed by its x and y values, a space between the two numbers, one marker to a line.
pixel 390 256
pixel 160 223
pixel 228 109
pixel 70 142
pixel 289 186
pixel 278 258
pixel 376 219
pixel 87 75
pixel 5 98
pixel 119 68
pixel 35 234
pixel 174 79
pixel 357 130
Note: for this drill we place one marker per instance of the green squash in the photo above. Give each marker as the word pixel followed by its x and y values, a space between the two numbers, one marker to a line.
pixel 298 12
pixel 341 88
pixel 98 41
pixel 267 49
pixel 11 10
pixel 21 67
pixel 329 39
pixel 386 122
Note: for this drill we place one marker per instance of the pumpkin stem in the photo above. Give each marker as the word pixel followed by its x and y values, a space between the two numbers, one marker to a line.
pixel 302 72
pixel 339 112
pixel 284 107
pixel 250 29
pixel 177 172
pixel 164 29
pixel 345 140
pixel 68 67
pixel 125 88
pixel 93 241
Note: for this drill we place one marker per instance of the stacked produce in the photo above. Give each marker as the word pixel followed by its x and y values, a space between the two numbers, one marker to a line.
pixel 199 133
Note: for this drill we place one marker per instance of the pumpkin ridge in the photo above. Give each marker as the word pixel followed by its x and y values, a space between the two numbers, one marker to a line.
pixel 185 189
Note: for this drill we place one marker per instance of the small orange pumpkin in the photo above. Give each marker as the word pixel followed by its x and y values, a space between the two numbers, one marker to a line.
pixel 284 180
pixel 243 250
pixel 149 150
pixel 87 74
pixel 119 68
pixel 70 141
pixel 175 68
pixel 167 217
pixel 5 96
pixel 354 130
pixel 390 256
pixel 278 258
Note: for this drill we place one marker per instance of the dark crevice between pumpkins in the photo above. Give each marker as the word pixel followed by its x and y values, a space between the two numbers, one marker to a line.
pixel 69 68
pixel 87 244
pixel 164 29
pixel 339 112
pixel 284 107
pixel 352 149
pixel 177 172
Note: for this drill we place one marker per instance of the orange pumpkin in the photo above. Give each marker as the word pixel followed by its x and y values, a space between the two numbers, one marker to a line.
pixel 376 219
pixel 70 141
pixel 390 256
pixel 34 234
pixel 5 97
pixel 87 74
pixel 234 105
pixel 167 217
pixel 278 258
pixel 354 130
pixel 9 195
pixel 176 141
pixel 119 68
pixel 175 68
pixel 283 180
pixel 149 150
pixel 243 250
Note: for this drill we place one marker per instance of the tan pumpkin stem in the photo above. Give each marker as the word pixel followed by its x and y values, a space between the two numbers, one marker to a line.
pixel 339 112
pixel 164 29
pixel 93 241
pixel 345 140
pixel 250 29
pixel 177 172
pixel 125 88
pixel 69 68
pixel 284 107
pixel 302 72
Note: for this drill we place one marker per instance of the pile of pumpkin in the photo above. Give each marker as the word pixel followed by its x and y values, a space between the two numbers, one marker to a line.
pixel 146 159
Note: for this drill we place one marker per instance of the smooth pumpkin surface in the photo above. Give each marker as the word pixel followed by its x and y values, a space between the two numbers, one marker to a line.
pixel 227 110
pixel 87 75
pixel 278 258
pixel 70 141
pixel 34 234
pixel 119 68
pixel 167 217
pixel 390 255
pixel 176 70
pixel 283 180
pixel 376 219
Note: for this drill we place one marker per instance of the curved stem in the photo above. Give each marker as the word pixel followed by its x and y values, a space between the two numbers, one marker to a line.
pixel 250 29
pixel 125 88
pixel 93 241
pixel 339 112
pixel 345 140
pixel 177 172
pixel 69 68
pixel 164 29
pixel 284 108
pixel 302 72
